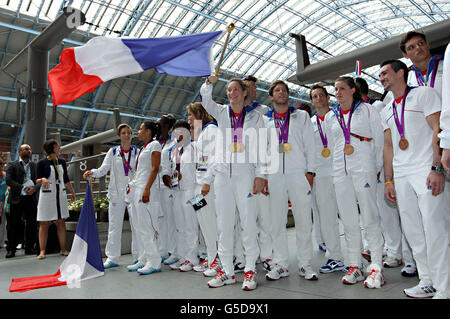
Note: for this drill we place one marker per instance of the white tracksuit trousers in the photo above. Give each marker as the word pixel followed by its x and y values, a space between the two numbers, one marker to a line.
pixel 264 227
pixel 395 242
pixel 327 211
pixel 207 219
pixel 232 192
pixel 169 234
pixel 187 225
pixel 296 187
pixel 116 212
pixel 146 217
pixel 351 189
pixel 426 223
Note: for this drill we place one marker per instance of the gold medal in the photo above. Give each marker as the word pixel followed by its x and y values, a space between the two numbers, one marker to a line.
pixel 236 147
pixel 403 144
pixel 287 147
pixel 348 149
pixel 326 152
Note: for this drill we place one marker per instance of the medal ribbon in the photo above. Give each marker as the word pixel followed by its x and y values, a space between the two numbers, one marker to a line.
pixel 237 124
pixel 282 127
pixel 432 70
pixel 137 159
pixel 323 137
pixel 126 163
pixel 401 126
pixel 341 120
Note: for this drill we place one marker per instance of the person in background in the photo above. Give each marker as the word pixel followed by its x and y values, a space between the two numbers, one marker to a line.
pixel 3 204
pixel 51 173
pixel 21 178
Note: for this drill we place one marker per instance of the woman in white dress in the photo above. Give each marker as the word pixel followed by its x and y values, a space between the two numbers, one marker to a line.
pixel 52 205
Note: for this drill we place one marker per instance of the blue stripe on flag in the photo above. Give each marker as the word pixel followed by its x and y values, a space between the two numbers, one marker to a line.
pixel 87 230
pixel 181 56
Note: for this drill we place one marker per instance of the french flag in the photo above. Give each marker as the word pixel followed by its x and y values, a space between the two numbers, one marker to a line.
pixel 358 68
pixel 82 69
pixel 84 261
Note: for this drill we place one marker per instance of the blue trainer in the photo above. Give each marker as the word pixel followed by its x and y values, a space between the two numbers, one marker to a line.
pixel 147 270
pixel 331 266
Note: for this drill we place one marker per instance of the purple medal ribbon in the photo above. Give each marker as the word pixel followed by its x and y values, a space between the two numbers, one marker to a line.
pixel 421 81
pixel 341 120
pixel 401 126
pixel 126 164
pixel 323 137
pixel 282 127
pixel 237 124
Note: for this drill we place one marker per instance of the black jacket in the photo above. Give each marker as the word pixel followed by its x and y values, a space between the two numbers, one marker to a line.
pixel 15 175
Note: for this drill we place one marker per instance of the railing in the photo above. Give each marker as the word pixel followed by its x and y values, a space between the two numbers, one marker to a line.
pixel 78 166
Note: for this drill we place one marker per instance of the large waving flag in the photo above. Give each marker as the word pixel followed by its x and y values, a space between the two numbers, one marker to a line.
pixel 82 69
pixel 85 258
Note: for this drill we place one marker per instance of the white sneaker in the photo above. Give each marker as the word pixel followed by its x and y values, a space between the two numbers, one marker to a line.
pixel 186 266
pixel 202 266
pixel 135 266
pixel 375 278
pixel 307 272
pixel 391 262
pixel 109 264
pixel 171 260
pixel 148 269
pixel 213 268
pixel 221 279
pixel 176 265
pixel 420 291
pixel 277 272
pixel 353 275
pixel 249 281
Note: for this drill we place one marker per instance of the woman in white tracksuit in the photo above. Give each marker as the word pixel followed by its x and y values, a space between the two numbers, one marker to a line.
pixel 238 177
pixel 204 131
pixel 143 197
pixel 292 141
pixel 120 161
pixel 355 138
pixel 183 185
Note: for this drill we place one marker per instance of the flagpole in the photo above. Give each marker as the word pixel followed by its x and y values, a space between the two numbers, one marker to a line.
pixel 230 28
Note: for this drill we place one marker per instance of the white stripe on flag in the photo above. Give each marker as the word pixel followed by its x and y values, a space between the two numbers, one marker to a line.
pixel 107 58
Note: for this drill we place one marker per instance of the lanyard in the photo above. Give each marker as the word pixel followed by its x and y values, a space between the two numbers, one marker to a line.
pixel 126 163
pixel 401 123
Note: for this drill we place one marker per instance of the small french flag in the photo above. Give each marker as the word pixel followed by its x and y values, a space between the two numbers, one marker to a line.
pixel 84 261
pixel 358 68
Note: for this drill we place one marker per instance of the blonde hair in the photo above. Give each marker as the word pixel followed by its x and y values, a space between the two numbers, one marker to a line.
pixel 198 110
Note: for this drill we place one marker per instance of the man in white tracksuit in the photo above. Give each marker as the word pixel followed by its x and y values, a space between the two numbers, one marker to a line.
pixel 238 178
pixel 120 161
pixel 396 245
pixel 292 137
pixel 415 179
pixel 323 187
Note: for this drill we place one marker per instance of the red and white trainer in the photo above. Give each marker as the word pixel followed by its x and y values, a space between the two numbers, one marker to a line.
pixel 249 281
pixel 353 275
pixel 221 279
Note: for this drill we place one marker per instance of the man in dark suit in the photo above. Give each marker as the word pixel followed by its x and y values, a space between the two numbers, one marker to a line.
pixel 21 178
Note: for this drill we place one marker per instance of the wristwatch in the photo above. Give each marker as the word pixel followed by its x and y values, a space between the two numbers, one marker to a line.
pixel 438 169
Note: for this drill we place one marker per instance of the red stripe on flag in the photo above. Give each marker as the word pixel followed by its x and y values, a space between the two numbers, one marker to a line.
pixel 67 80
pixel 30 283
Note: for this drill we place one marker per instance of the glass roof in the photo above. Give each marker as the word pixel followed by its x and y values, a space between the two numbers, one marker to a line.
pixel 260 44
